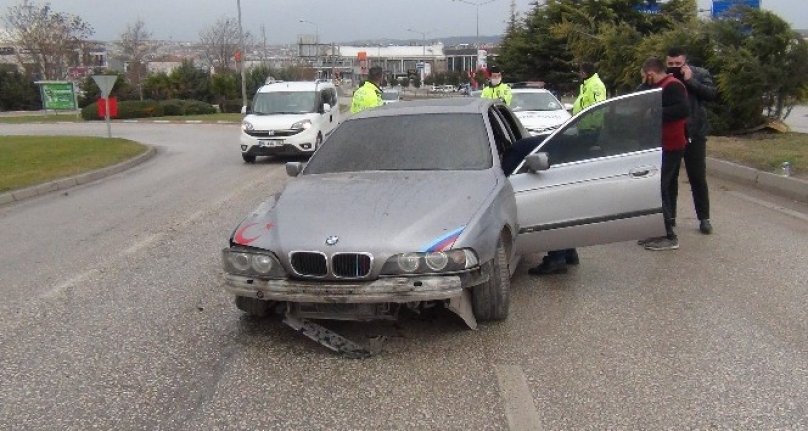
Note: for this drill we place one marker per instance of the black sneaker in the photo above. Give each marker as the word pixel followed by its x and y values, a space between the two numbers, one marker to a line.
pixel 647 240
pixel 548 267
pixel 705 227
pixel 661 244
pixel 572 257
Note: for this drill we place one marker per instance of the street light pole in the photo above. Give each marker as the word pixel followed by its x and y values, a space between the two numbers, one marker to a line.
pixel 242 57
pixel 423 38
pixel 477 8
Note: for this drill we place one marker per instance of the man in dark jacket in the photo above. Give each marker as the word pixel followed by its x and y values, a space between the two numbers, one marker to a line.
pixel 700 89
pixel 675 111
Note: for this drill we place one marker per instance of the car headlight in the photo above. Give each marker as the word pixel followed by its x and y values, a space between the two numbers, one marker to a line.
pixel 304 124
pixel 252 263
pixel 246 126
pixel 431 262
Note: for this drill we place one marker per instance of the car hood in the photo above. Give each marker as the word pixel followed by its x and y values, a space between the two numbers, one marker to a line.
pixel 542 119
pixel 277 121
pixel 378 212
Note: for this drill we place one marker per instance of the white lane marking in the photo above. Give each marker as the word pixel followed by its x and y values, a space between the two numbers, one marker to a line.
pixel 519 407
pixel 70 283
pixel 141 244
pixel 770 205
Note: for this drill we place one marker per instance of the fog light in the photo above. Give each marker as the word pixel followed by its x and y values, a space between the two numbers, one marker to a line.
pixel 306 146
pixel 243 148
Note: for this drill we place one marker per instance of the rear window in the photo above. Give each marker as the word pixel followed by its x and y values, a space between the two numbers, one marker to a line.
pixel 405 142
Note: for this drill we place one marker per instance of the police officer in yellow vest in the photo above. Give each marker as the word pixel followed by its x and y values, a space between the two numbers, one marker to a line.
pixel 496 89
pixel 369 95
pixel 592 91
pixel 592 88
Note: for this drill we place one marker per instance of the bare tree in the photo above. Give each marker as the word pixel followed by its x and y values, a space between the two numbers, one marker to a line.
pixel 220 42
pixel 135 49
pixel 50 40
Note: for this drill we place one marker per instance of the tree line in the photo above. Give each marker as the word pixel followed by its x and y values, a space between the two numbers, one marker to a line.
pixel 759 62
pixel 49 41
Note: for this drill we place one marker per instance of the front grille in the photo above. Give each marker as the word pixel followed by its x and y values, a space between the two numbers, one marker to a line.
pixel 266 134
pixel 309 264
pixel 351 265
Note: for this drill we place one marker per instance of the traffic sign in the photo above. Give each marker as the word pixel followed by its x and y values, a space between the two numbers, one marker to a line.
pixel 105 83
pixel 721 7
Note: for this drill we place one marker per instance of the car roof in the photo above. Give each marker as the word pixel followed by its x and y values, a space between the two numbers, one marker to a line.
pixel 452 105
pixel 294 86
pixel 529 90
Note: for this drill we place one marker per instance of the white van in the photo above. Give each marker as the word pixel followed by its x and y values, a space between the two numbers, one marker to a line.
pixel 289 118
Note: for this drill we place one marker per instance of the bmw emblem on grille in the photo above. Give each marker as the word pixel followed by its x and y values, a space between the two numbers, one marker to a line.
pixel 332 240
pixel 271 132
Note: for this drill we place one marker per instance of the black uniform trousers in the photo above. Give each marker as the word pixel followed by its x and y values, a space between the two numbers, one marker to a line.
pixel 669 172
pixel 695 159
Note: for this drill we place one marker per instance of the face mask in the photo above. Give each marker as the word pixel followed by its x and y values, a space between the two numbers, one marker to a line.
pixel 676 72
pixel 496 81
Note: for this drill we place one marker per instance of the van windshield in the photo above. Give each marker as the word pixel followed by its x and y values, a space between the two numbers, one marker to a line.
pixel 284 102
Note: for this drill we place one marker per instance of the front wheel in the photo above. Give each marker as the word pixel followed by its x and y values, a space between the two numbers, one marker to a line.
pixel 249 158
pixel 491 300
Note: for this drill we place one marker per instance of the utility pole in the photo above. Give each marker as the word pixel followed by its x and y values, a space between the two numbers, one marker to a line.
pixel 242 57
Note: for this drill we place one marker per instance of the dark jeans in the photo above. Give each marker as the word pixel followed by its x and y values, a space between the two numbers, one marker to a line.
pixel 696 165
pixel 671 162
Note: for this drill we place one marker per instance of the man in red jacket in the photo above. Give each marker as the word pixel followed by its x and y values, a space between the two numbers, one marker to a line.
pixel 675 110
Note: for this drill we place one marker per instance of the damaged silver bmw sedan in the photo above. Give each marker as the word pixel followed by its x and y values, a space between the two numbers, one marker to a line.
pixel 409 205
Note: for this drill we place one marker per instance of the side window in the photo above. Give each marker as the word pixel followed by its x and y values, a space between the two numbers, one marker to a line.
pixel 609 129
pixel 330 97
pixel 502 137
pixel 511 122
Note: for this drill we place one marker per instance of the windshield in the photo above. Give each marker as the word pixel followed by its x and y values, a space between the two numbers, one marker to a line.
pixel 535 102
pixel 405 143
pixel 390 95
pixel 284 102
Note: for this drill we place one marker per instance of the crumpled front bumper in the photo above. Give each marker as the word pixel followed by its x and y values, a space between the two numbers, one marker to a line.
pixel 388 289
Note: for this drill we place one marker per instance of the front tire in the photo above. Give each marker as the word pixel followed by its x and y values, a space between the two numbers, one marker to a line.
pixel 248 158
pixel 491 300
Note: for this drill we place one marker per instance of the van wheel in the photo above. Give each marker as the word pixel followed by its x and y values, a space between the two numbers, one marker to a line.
pixel 249 158
pixel 491 300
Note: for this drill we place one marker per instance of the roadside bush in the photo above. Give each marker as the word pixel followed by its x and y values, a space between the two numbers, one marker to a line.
pixel 173 107
pixel 151 108
pixel 197 107
pixel 231 106
pixel 127 109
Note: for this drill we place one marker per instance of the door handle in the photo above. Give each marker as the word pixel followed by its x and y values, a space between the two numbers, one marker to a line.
pixel 639 172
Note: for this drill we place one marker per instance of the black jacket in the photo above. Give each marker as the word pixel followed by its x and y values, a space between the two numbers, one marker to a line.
pixel 700 89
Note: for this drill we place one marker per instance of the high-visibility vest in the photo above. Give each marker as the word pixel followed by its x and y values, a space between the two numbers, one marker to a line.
pixel 501 92
pixel 366 97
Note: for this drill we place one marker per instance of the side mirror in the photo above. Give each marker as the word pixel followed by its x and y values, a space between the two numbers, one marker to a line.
pixel 535 162
pixel 293 168
pixel 568 106
pixel 326 108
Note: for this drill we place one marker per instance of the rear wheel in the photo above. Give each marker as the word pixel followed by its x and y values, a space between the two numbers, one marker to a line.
pixel 252 306
pixel 249 158
pixel 491 300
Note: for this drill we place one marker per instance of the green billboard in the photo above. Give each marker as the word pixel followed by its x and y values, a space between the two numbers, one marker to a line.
pixel 58 95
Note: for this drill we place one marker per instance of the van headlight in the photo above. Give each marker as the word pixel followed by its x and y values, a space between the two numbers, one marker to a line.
pixel 431 262
pixel 246 126
pixel 304 124
pixel 252 263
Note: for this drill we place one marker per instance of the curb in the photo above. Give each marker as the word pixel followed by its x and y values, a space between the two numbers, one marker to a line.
pixel 69 182
pixel 789 187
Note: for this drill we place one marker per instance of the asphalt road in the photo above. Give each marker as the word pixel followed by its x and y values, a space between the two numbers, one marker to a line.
pixel 113 317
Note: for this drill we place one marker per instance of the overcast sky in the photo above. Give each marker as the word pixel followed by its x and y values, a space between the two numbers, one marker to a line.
pixel 336 20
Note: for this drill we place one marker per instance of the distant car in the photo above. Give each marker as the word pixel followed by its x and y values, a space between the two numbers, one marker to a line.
pixel 289 118
pixel 408 205
pixel 538 110
pixel 390 95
